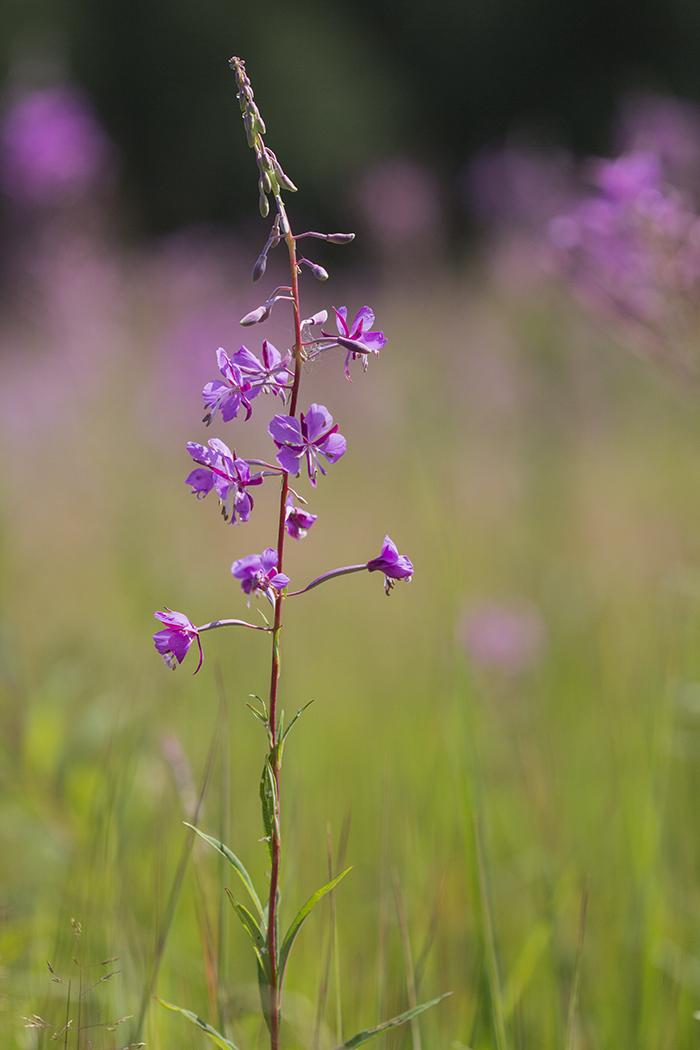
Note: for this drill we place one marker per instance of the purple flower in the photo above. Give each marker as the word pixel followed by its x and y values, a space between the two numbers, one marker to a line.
pixel 258 576
pixel 297 522
pixel 220 469
pixel 395 566
pixel 174 642
pixel 358 340
pixel 314 433
pixel 270 375
pixel 54 150
pixel 229 395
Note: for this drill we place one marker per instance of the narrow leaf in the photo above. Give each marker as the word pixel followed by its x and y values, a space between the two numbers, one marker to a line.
pixel 268 797
pixel 301 918
pixel 394 1022
pixel 215 1036
pixel 296 716
pixel 251 925
pixel 264 989
pixel 233 859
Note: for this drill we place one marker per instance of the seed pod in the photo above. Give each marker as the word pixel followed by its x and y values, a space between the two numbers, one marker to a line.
pixel 264 206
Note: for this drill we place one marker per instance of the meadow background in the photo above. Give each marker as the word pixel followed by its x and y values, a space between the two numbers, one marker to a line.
pixel 516 729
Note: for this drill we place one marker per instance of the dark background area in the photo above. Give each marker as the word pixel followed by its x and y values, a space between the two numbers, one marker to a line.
pixel 341 85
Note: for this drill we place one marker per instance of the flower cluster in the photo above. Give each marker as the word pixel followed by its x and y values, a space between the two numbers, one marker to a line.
pixel 307 441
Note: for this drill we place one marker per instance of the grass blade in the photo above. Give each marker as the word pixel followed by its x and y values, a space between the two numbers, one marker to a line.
pixel 236 863
pixel 215 1036
pixel 301 917
pixel 494 979
pixel 393 1022
pixel 573 1002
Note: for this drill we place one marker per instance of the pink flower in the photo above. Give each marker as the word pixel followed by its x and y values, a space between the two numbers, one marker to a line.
pixel 174 642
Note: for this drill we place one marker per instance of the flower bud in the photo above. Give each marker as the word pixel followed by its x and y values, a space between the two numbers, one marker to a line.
pixel 340 238
pixel 284 224
pixel 285 181
pixel 318 271
pixel 259 268
pixel 261 313
pixel 264 206
pixel 264 184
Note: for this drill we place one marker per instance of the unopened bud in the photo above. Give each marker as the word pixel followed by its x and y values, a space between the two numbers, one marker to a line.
pixel 259 268
pixel 264 206
pixel 318 271
pixel 284 224
pixel 255 316
pixel 264 184
pixel 251 136
pixel 285 181
pixel 340 238
pixel 264 162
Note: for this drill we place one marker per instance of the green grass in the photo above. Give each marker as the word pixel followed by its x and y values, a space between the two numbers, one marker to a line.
pixel 511 450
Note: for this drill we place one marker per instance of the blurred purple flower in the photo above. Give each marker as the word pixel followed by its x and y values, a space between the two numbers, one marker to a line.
pixel 395 566
pixel 53 149
pixel 229 395
pixel 174 642
pixel 401 202
pixel 309 436
pixel 519 186
pixel 632 252
pixel 297 521
pixel 258 576
pixel 358 340
pixel 220 469
pixel 508 636
pixel 667 127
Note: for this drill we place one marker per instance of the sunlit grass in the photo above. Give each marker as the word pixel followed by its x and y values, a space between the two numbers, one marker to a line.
pixel 513 453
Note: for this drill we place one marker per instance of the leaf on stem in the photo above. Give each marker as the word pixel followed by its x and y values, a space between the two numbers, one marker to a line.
pixel 394 1022
pixel 296 716
pixel 268 797
pixel 215 1036
pixel 253 927
pixel 301 916
pixel 233 860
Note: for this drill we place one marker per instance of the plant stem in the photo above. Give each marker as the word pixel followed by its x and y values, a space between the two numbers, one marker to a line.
pixel 275 989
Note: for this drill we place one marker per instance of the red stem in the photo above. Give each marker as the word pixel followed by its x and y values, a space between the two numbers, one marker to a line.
pixel 275 989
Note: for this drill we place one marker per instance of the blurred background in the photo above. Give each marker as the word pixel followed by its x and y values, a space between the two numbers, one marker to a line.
pixel 517 731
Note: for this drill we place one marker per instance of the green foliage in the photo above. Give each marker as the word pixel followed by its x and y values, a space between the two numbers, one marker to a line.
pixel 385 1026
pixel 237 865
pixel 216 1037
pixel 300 919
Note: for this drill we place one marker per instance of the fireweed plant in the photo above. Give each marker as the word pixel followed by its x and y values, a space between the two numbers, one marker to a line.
pixel 303 442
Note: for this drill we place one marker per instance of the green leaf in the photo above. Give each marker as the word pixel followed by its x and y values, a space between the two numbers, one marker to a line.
pixel 233 859
pixel 394 1022
pixel 215 1036
pixel 264 989
pixel 296 716
pixel 298 922
pixel 268 797
pixel 252 926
